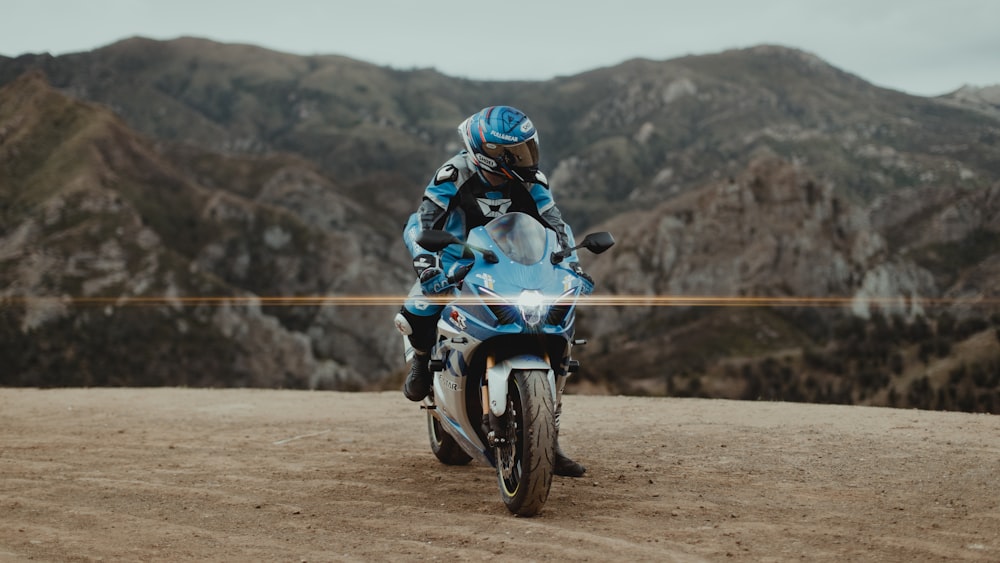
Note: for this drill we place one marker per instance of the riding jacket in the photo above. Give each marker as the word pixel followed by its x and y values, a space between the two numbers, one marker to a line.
pixel 458 199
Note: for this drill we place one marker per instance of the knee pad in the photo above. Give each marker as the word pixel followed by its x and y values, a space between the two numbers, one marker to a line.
pixel 402 325
pixel 421 330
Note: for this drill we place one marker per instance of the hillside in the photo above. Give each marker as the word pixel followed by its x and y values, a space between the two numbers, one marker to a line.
pixel 195 475
pixel 616 138
pixel 898 286
pixel 184 169
pixel 104 242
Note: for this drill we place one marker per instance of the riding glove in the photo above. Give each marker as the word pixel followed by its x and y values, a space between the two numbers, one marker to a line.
pixel 423 261
pixel 433 281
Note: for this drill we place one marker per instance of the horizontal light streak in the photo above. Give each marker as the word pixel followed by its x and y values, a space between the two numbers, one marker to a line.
pixel 590 300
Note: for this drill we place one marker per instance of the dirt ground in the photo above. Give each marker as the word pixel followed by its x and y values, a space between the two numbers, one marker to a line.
pixel 257 475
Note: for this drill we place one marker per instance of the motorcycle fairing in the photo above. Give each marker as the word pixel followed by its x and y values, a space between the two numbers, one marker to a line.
pixel 486 314
pixel 471 444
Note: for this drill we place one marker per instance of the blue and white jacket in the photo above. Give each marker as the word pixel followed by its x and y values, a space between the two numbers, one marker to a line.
pixel 458 199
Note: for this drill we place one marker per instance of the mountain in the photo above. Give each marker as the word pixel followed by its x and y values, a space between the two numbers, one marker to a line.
pixel 760 172
pixel 861 282
pixel 94 212
pixel 614 139
pixel 985 99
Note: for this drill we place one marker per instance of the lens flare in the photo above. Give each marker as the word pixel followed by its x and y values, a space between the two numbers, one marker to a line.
pixel 589 300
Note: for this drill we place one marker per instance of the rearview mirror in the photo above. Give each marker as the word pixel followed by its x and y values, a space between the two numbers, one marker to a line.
pixel 435 240
pixel 594 242
pixel 598 242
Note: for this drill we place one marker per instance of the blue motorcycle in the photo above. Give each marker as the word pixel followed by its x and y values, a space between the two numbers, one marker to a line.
pixel 503 353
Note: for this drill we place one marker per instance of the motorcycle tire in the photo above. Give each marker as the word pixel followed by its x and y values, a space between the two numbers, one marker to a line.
pixel 445 448
pixel 524 464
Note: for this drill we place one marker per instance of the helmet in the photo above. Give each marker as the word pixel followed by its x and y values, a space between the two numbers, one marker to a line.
pixel 502 140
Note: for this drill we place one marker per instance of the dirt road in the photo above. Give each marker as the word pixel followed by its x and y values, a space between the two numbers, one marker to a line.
pixel 255 475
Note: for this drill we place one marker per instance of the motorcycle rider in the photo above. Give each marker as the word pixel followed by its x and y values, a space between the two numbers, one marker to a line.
pixel 496 173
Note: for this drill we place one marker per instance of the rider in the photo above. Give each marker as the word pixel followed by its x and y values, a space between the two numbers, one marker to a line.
pixel 496 173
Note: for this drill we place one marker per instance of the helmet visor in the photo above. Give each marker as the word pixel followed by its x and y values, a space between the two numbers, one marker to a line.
pixel 520 158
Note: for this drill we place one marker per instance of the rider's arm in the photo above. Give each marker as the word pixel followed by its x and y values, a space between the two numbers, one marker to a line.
pixel 550 214
pixel 425 217
pixel 433 207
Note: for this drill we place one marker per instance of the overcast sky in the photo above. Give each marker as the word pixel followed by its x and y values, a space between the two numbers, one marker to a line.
pixel 925 47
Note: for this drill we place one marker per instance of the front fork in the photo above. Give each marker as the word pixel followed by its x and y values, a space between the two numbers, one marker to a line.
pixel 494 391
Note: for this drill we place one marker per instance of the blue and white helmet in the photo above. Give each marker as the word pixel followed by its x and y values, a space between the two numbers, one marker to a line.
pixel 502 140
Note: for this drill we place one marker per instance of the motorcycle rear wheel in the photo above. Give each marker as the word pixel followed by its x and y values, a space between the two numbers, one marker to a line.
pixel 524 464
pixel 445 448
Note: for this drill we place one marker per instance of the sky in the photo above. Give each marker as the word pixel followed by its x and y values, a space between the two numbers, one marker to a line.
pixel 922 47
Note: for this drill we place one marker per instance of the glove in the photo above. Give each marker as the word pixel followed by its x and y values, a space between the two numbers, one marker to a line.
pixel 588 282
pixel 423 261
pixel 433 281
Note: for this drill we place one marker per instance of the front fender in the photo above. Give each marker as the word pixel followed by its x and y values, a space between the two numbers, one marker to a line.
pixel 498 375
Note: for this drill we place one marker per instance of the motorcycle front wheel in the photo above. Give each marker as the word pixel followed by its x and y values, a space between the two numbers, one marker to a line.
pixel 524 463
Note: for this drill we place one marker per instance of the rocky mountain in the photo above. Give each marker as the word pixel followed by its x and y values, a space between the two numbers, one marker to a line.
pixel 985 99
pixel 614 139
pixel 250 173
pixel 107 246
pixel 774 233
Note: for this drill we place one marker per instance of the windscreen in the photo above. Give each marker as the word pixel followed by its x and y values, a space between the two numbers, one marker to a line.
pixel 519 236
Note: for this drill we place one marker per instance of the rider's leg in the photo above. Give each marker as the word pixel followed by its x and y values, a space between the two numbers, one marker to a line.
pixel 422 317
pixel 563 465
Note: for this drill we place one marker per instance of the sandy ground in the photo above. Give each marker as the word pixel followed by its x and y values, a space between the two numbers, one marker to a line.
pixel 256 475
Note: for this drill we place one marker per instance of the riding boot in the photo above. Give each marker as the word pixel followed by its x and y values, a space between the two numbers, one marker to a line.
pixel 418 382
pixel 563 465
pixel 421 332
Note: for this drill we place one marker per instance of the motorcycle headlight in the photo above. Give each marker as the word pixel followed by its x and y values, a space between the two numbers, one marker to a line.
pixel 532 306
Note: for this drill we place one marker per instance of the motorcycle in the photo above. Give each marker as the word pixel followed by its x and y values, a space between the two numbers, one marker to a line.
pixel 503 352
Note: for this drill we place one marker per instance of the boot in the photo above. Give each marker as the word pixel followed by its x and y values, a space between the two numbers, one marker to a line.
pixel 421 332
pixel 418 382
pixel 563 465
